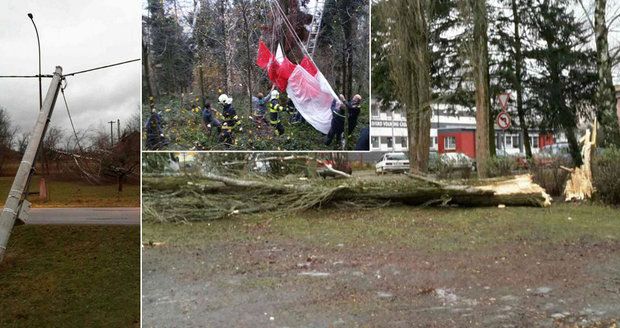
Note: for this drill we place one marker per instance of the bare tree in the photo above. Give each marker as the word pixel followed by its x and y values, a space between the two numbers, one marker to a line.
pixel 22 142
pixel 7 136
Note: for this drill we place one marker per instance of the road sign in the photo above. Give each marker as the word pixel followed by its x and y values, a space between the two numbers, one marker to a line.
pixel 503 120
pixel 503 100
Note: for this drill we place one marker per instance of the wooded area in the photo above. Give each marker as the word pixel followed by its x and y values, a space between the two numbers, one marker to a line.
pixel 558 63
pixel 195 51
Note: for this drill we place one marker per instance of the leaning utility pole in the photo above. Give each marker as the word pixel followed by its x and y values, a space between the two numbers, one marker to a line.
pixel 111 133
pixel 16 205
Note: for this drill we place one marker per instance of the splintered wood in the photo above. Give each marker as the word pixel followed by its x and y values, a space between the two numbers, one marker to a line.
pixel 579 184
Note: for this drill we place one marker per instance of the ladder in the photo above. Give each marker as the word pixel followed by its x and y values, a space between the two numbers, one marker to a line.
pixel 315 26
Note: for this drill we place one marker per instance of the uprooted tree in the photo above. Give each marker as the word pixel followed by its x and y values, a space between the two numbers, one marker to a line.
pixel 218 191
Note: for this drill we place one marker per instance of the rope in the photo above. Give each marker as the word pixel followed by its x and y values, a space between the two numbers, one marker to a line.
pixel 101 67
pixel 289 25
pixel 77 140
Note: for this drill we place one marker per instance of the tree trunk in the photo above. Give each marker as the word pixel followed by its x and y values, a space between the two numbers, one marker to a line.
pixel 424 109
pixel 200 201
pixel 518 86
pixel 147 70
pixel 120 183
pixel 481 76
pixel 411 73
pixel 605 92
pixel 202 84
pixel 250 66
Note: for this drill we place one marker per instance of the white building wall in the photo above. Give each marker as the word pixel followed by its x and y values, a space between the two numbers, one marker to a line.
pixel 387 127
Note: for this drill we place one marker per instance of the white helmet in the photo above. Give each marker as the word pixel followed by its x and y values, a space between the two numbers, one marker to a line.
pixel 275 94
pixel 223 99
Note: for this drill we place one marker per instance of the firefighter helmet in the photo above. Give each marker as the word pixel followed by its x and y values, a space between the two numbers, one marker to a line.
pixel 223 99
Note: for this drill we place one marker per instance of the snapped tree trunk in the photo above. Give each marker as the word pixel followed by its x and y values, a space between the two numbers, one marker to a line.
pixel 198 200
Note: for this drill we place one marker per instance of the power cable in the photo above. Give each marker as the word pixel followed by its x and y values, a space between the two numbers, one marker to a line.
pixel 101 67
pixel 77 140
pixel 71 74
pixel 24 76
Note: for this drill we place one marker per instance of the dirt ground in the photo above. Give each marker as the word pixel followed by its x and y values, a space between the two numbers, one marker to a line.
pixel 391 267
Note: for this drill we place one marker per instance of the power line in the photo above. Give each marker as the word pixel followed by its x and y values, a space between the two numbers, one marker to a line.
pixel 101 67
pixel 77 140
pixel 25 76
pixel 71 74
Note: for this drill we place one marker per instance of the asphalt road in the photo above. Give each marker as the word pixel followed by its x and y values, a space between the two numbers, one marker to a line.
pixel 79 215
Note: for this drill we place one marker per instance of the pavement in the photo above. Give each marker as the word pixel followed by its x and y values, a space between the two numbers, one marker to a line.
pixel 85 216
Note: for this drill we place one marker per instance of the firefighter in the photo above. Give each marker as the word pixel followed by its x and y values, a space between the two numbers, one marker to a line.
pixel 337 127
pixel 274 113
pixel 231 120
pixel 353 108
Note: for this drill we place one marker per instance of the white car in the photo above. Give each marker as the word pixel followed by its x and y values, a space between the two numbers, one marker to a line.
pixel 392 162
pixel 458 160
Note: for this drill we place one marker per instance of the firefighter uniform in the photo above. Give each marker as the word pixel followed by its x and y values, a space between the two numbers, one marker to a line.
pixel 275 108
pixel 231 121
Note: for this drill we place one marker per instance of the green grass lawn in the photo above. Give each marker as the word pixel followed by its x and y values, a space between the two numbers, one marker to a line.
pixel 426 229
pixel 78 194
pixel 71 276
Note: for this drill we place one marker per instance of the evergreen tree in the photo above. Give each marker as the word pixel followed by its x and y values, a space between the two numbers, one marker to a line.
pixel 563 87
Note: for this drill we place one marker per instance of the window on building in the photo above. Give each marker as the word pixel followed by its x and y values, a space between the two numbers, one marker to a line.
pixel 403 142
pixel 449 143
pixel 534 141
pixel 375 142
pixel 508 141
pixel 516 141
pixel 389 142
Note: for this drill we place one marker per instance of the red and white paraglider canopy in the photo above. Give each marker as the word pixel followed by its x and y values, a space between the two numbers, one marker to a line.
pixel 304 83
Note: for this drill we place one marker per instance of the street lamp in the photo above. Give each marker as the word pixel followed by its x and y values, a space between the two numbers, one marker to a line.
pixel 39 45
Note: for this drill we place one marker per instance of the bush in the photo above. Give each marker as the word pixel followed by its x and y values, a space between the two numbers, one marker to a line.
pixel 606 175
pixel 501 166
pixel 550 176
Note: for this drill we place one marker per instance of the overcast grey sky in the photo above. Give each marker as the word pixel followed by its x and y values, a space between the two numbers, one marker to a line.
pixel 76 35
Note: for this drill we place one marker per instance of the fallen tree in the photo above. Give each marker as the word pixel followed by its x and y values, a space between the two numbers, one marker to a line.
pixel 212 196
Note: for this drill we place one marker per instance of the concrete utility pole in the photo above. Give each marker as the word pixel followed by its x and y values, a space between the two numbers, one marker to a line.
pixel 118 129
pixel 16 205
pixel 111 133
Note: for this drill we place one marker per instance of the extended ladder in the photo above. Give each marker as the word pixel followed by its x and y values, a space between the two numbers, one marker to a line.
pixel 315 26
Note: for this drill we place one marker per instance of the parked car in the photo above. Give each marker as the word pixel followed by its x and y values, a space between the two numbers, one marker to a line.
pixel 458 161
pixel 392 162
pixel 322 170
pixel 552 153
